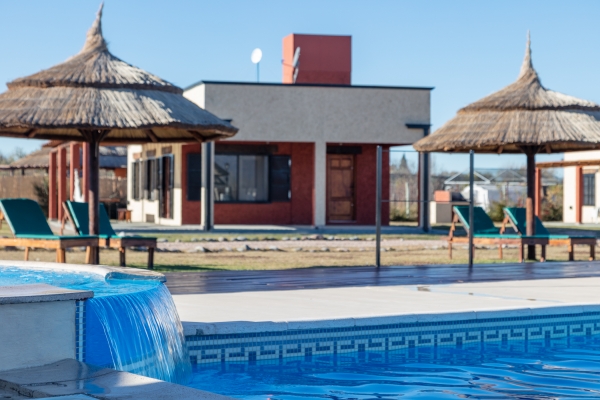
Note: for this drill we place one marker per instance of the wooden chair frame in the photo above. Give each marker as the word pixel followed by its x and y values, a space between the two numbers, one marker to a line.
pixel 117 243
pixel 569 242
pixel 60 245
pixel 520 242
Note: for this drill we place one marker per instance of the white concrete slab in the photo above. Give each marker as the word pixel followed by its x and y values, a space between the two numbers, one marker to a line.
pixel 297 309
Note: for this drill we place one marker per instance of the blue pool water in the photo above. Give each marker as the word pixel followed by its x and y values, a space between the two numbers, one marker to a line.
pixel 131 325
pixel 555 369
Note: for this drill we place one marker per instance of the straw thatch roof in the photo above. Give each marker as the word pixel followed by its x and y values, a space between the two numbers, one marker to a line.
pixel 96 90
pixel 523 114
pixel 111 157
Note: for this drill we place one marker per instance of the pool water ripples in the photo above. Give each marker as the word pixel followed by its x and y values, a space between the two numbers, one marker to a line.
pixel 555 369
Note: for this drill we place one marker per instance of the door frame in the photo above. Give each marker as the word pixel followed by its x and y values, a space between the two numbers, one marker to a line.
pixel 352 220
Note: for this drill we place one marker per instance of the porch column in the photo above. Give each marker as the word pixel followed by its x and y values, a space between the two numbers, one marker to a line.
pixel 578 193
pixel 62 180
pixel 320 191
pixel 73 167
pixel 52 195
pixel 538 192
pixel 86 172
pixel 207 201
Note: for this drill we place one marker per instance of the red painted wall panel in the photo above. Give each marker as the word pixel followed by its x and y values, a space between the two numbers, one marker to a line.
pixel 298 211
pixel 323 59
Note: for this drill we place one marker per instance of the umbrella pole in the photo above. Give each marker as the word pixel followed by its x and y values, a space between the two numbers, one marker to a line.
pixel 94 197
pixel 530 228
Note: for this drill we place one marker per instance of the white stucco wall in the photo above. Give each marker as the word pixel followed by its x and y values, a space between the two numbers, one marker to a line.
pixel 34 334
pixel 143 207
pixel 569 187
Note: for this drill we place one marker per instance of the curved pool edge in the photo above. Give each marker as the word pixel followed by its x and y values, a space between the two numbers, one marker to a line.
pixel 104 271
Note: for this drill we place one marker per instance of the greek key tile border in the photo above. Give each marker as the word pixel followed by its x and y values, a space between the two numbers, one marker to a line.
pixel 253 347
pixel 80 309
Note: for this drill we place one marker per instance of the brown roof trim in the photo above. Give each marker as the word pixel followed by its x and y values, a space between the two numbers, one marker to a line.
pixel 562 164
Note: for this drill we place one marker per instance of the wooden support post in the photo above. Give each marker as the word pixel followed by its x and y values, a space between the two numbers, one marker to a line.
pixel 94 195
pixel 578 193
pixel 62 181
pixel 52 189
pixel 86 172
pixel 26 253
pixel 122 256
pixel 150 257
pixel 538 192
pixel 74 167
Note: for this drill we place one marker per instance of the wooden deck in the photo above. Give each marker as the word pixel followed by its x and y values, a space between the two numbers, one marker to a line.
pixel 318 278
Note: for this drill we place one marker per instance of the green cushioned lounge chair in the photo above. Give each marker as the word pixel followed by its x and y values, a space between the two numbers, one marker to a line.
pixel 78 213
pixel 485 232
pixel 31 230
pixel 517 218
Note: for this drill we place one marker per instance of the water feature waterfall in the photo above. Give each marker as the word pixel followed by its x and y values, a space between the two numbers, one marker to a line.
pixel 138 332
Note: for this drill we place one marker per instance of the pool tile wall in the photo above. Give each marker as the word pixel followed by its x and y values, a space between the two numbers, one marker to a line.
pixel 289 343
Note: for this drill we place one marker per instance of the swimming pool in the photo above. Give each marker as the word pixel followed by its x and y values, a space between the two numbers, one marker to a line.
pixel 567 367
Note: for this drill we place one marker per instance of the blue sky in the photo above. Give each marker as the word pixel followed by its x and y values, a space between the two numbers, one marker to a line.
pixel 465 49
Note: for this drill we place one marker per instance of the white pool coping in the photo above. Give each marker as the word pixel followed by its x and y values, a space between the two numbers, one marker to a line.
pixel 104 271
pixel 40 293
pixel 245 312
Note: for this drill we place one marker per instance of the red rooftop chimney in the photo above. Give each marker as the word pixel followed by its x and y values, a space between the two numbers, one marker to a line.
pixel 323 59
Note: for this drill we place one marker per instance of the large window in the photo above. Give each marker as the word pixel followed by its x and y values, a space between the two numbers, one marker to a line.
pixel 589 189
pixel 242 178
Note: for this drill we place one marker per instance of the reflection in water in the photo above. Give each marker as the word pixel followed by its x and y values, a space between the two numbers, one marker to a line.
pixel 561 368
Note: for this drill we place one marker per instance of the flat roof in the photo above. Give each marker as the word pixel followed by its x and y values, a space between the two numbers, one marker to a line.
pixel 306 85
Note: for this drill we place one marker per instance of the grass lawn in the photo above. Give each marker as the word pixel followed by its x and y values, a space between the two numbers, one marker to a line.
pixel 271 260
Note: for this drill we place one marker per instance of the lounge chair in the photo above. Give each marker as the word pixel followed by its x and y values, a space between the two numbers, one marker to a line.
pixel 485 232
pixel 31 230
pixel 78 213
pixel 517 218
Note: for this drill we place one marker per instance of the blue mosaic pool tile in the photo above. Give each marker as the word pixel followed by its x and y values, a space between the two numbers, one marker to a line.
pixel 378 340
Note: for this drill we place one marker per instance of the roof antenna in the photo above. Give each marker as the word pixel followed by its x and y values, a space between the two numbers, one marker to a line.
pixel 296 63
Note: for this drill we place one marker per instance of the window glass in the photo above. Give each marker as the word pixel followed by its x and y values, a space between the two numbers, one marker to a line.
pixel 226 178
pixel 589 189
pixel 254 178
pixel 243 178
pixel 194 176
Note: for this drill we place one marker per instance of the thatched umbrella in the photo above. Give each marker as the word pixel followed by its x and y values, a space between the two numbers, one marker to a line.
pixel 94 97
pixel 524 117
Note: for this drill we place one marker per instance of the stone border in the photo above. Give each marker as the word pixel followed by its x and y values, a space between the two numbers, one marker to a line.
pixel 101 270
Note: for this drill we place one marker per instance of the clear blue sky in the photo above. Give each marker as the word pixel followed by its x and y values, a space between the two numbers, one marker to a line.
pixel 465 49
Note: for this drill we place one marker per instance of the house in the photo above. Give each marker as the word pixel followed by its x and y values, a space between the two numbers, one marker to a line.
pixel 581 199
pixel 305 153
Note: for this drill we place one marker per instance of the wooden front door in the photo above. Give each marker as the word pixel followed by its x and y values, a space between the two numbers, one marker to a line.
pixel 340 187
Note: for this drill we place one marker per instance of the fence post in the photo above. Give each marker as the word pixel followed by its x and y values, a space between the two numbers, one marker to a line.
pixel 471 205
pixel 378 208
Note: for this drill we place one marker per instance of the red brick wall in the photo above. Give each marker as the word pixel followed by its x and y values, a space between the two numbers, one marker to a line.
pixel 298 211
pixel 366 186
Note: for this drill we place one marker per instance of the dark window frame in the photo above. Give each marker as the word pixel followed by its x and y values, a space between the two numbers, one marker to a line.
pixel 136 187
pixel 589 189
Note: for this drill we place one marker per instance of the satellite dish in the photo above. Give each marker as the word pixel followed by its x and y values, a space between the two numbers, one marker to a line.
pixel 256 56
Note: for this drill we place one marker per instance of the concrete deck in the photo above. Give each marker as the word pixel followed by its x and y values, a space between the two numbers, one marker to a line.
pixel 76 379
pixel 260 311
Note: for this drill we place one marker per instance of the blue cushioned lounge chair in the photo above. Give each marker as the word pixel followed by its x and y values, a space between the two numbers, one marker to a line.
pixel 485 232
pixel 517 218
pixel 31 230
pixel 78 213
